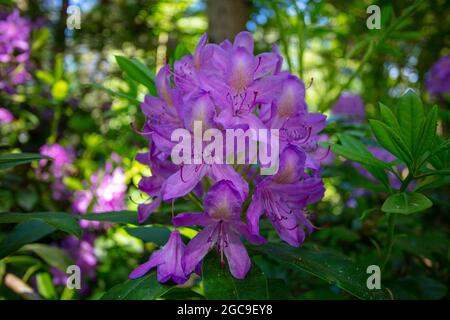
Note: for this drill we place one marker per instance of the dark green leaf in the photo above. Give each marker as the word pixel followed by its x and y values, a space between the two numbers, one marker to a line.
pixel 327 265
pixel 126 217
pixel 427 131
pixel 59 220
pixel 391 141
pixel 145 288
pixel 138 72
pixel 158 235
pixel 406 203
pixel 410 115
pixel 24 233
pixel 220 284
pixel 14 159
pixel 53 256
pixel 45 286
pixel 389 118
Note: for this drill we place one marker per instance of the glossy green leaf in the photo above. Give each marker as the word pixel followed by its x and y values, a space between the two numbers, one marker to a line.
pixel 327 265
pixel 391 141
pixel 53 256
pixel 59 220
pixel 358 156
pixel 158 235
pixel 220 284
pixel 14 159
pixel 144 288
pixel 45 286
pixel 410 115
pixel 137 71
pixel 125 217
pixel 427 132
pixel 406 203
pixel 389 117
pixel 23 233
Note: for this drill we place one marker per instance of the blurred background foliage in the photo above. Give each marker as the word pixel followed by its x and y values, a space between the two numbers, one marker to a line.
pixel 78 97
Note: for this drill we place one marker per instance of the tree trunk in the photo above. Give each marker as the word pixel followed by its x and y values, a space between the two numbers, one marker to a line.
pixel 227 18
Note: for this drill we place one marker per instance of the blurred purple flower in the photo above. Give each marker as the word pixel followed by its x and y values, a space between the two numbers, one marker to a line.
pixel 351 107
pixel 5 116
pixel 105 192
pixel 59 166
pixel 438 80
pixel 82 252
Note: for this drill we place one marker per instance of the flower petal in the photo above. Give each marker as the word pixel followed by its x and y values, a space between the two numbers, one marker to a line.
pixel 187 219
pixel 223 202
pixel 198 247
pixel 237 256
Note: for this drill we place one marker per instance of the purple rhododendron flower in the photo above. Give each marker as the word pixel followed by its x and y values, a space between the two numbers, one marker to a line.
pixel 167 260
pixel 438 80
pixel 82 252
pixel 227 86
pixel 6 116
pixel 14 50
pixel 106 191
pixel 351 107
pixel 222 227
pixel 283 197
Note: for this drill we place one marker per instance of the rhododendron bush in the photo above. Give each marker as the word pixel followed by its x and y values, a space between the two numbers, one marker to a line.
pixel 303 155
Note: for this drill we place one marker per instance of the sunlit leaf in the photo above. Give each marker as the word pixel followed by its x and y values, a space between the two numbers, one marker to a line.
pixel 406 203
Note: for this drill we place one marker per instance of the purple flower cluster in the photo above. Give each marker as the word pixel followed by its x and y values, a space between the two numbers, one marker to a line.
pixel 6 116
pixel 438 80
pixel 14 50
pixel 105 191
pixel 226 86
pixel 83 253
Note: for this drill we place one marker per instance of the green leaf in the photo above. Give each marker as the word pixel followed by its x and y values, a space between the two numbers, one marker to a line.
pixel 389 118
pixel 59 220
pixel 45 76
pixel 427 131
pixel 327 265
pixel 220 284
pixel 45 286
pixel 59 67
pixel 410 115
pixel 358 156
pixel 180 52
pixel 115 93
pixel 23 233
pixel 53 256
pixel 406 203
pixel 391 141
pixel 145 288
pixel 138 72
pixel 14 159
pixel 158 235
pixel 125 217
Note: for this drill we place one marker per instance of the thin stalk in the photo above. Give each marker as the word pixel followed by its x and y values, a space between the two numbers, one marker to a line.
pixel 283 38
pixel 55 123
pixel 391 223
pixel 196 200
pixel 301 38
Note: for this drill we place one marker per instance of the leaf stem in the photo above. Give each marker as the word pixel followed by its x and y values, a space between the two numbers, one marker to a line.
pixel 390 241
